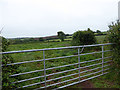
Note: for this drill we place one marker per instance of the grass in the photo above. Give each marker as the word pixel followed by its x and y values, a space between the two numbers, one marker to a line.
pixel 100 39
pixel 51 63
pixel 105 82
pixel 38 45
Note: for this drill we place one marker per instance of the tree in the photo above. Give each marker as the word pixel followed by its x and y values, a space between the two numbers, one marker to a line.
pixel 83 38
pixel 98 31
pixel 90 30
pixel 61 35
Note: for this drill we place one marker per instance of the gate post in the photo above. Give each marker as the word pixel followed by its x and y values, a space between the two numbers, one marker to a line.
pixel 102 59
pixel 44 67
pixel 79 62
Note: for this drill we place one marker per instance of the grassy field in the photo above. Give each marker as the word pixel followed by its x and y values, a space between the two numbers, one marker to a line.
pixel 52 63
pixel 101 39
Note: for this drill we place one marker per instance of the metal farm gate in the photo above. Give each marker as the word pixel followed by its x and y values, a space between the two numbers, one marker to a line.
pixel 63 75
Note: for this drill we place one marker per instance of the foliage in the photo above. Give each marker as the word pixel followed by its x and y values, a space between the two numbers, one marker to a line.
pixel 114 37
pixel 90 30
pixel 22 40
pixel 31 39
pixel 105 81
pixel 41 39
pixel 98 31
pixel 83 38
pixel 7 70
pixel 61 35
pixel 67 34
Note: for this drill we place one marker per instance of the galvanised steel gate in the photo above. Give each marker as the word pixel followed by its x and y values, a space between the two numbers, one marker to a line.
pixel 69 73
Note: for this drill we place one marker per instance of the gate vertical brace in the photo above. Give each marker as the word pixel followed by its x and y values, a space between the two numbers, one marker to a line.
pixel 79 62
pixel 102 59
pixel 44 67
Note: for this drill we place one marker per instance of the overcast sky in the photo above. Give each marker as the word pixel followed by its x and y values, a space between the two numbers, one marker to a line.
pixel 27 18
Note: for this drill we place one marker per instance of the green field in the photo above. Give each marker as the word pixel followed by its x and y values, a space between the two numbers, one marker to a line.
pixel 53 63
pixel 101 39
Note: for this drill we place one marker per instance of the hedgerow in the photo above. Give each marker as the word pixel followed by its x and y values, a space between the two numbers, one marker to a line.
pixel 114 37
pixel 7 70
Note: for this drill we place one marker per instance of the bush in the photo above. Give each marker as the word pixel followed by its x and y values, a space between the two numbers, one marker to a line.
pixel 7 70
pixel 83 38
pixel 114 37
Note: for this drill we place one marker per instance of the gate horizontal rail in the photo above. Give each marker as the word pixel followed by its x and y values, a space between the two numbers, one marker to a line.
pixel 103 71
pixel 70 47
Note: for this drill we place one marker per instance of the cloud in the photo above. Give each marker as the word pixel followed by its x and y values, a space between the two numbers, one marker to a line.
pixel 45 17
